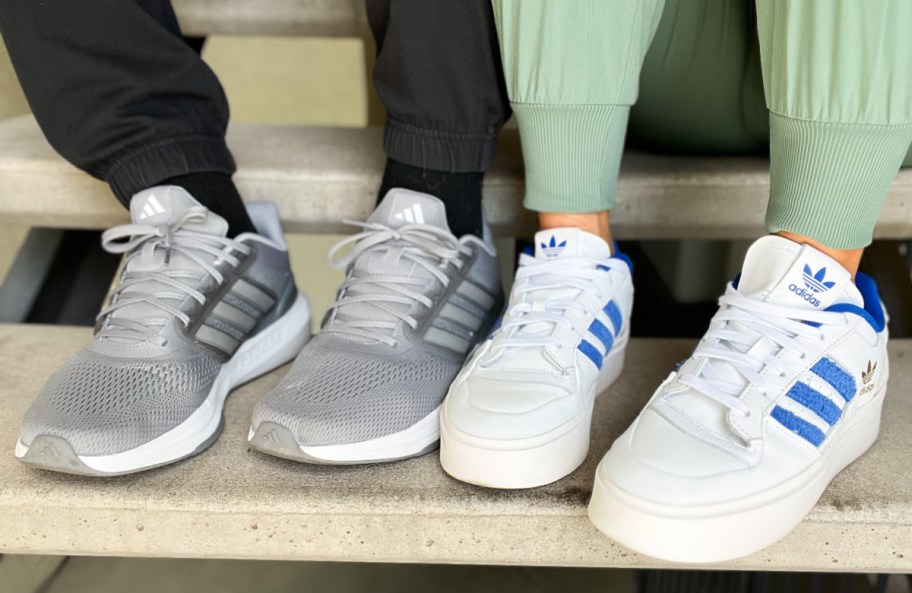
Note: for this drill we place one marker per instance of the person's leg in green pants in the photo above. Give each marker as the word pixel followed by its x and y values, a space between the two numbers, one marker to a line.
pixel 785 388
pixel 519 414
pixel 706 57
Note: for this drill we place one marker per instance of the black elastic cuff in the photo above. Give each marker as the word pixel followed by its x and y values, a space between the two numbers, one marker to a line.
pixel 438 150
pixel 153 163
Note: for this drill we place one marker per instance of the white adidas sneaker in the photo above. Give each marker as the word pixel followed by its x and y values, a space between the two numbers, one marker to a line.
pixel 519 412
pixel 737 445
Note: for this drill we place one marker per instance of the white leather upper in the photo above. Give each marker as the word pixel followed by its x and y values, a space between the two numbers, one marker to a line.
pixel 525 392
pixel 688 449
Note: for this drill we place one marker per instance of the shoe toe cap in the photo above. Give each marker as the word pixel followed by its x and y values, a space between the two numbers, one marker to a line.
pixel 658 462
pixel 501 410
pixel 352 419
pixel 104 405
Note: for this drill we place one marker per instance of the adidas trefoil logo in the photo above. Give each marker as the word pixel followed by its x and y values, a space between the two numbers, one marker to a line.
pixel 411 214
pixel 867 377
pixel 151 208
pixel 816 281
pixel 553 248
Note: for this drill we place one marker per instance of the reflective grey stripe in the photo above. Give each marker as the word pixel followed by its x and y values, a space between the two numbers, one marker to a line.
pixel 225 327
pixel 447 340
pixel 466 305
pixel 239 303
pixel 216 339
pixel 475 293
pixel 234 316
pixel 460 316
pixel 453 328
pixel 253 295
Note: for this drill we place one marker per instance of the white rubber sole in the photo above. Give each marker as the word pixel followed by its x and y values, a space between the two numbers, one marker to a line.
pixel 721 532
pixel 271 348
pixel 418 439
pixel 530 462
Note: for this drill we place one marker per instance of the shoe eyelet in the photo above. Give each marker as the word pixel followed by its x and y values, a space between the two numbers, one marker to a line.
pixel 782 375
pixel 803 355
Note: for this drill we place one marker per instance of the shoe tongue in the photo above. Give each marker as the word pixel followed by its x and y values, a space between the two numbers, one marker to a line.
pixel 395 258
pixel 570 242
pixel 778 270
pixel 400 207
pixel 549 245
pixel 165 204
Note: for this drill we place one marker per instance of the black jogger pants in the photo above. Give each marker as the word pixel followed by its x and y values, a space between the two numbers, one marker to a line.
pixel 118 93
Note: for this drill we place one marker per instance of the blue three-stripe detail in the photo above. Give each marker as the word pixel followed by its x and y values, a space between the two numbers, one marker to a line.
pixel 815 401
pixel 801 427
pixel 614 314
pixel 591 353
pixel 833 374
pixel 601 332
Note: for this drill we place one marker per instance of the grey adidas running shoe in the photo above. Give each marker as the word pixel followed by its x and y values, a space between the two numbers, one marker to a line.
pixel 414 302
pixel 194 315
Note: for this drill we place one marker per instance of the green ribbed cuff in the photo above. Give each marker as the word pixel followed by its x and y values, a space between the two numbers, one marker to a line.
pixel 572 155
pixel 829 180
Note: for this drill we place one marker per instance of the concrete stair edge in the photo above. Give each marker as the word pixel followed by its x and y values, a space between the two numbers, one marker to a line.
pixel 235 503
pixel 316 18
pixel 321 176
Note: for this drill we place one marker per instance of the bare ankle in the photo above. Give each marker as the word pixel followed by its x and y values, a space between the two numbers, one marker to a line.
pixel 849 258
pixel 597 223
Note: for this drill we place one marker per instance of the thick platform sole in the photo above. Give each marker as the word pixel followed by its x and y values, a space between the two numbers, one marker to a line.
pixel 529 462
pixel 269 349
pixel 418 439
pixel 721 532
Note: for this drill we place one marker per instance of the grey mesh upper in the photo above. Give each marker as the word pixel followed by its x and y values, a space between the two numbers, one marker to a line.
pixel 129 386
pixel 103 405
pixel 335 395
pixel 370 372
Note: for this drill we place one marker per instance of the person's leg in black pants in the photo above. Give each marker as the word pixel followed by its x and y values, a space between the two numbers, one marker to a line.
pixel 439 75
pixel 119 94
pixel 416 298
pixel 200 306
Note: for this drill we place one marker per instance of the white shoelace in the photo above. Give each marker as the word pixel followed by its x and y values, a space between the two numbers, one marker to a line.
pixel 160 287
pixel 746 321
pixel 531 320
pixel 430 247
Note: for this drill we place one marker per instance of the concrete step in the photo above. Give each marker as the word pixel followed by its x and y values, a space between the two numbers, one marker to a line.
pixel 232 502
pixel 338 18
pixel 320 176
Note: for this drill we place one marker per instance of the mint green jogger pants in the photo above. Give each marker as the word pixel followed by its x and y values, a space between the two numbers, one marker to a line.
pixel 824 85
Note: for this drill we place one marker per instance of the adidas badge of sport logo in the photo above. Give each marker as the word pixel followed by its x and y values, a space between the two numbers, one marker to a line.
pixel 814 283
pixel 151 208
pixel 411 214
pixel 552 248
